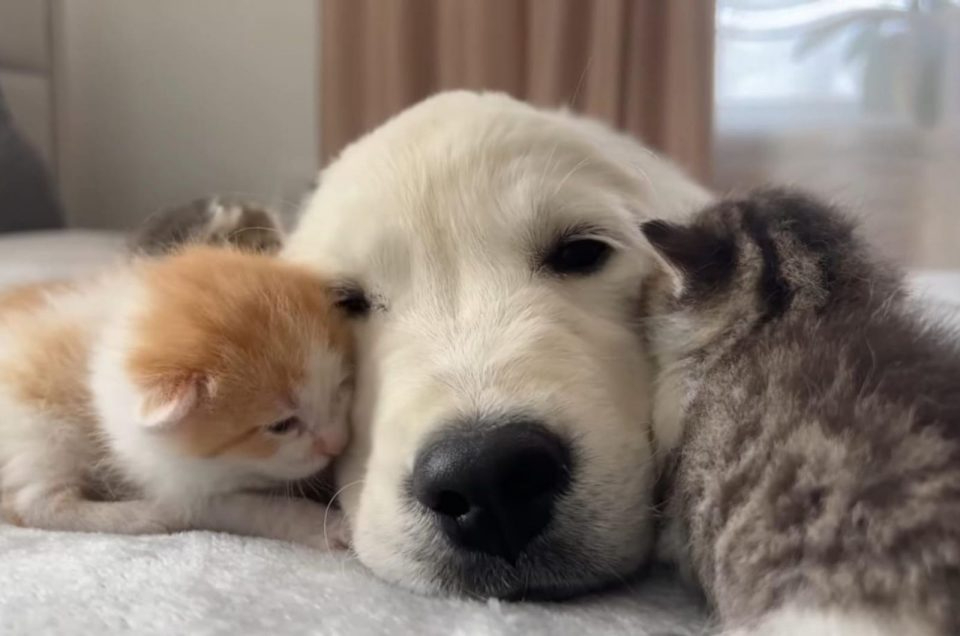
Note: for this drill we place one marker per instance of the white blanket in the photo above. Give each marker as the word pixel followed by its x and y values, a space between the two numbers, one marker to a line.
pixel 203 583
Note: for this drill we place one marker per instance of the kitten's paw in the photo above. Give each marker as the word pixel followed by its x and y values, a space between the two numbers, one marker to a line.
pixel 333 534
pixel 159 520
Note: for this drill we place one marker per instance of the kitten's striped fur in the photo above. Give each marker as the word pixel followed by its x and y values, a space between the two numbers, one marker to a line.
pixel 210 221
pixel 814 420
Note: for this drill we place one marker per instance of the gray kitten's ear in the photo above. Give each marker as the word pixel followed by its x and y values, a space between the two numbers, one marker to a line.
pixel 694 256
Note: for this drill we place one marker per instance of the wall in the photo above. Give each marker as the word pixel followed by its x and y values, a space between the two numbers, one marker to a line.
pixel 160 102
pixel 25 70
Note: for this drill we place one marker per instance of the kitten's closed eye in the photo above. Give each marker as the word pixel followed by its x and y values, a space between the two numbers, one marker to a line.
pixel 352 299
pixel 285 426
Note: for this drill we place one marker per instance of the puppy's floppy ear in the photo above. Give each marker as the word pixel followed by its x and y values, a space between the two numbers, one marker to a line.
pixel 168 399
pixel 694 256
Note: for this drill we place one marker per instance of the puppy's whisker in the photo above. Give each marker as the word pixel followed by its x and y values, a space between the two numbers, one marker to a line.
pixel 576 168
pixel 580 82
pixel 333 499
pixel 241 230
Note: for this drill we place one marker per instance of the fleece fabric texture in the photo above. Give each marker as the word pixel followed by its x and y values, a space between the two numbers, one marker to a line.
pixel 201 583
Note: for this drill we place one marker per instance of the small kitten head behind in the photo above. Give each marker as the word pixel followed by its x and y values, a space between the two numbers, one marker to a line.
pixel 240 358
pixel 212 221
pixel 752 260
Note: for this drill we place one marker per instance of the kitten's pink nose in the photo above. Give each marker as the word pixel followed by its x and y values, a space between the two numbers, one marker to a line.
pixel 329 444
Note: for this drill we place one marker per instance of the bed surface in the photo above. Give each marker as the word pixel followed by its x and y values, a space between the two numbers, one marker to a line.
pixel 205 583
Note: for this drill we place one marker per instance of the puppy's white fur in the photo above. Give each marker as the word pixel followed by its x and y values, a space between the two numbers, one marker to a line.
pixel 440 215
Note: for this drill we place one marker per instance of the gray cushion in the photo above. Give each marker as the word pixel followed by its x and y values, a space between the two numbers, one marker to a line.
pixel 28 198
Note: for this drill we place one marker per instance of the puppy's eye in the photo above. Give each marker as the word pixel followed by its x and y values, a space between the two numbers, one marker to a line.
pixel 285 426
pixel 352 300
pixel 578 256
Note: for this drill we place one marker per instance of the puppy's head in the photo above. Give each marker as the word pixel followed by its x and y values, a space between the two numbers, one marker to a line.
pixel 491 255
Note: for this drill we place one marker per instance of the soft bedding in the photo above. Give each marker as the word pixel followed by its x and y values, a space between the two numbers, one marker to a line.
pixel 203 583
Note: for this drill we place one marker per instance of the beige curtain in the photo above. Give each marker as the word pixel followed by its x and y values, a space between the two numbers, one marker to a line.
pixel 645 66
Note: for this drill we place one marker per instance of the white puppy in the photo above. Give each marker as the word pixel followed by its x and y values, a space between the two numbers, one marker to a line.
pixel 491 254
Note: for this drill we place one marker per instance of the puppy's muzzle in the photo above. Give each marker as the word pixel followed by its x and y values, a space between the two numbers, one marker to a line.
pixel 492 486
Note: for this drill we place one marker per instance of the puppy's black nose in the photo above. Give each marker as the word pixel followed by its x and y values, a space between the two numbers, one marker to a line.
pixel 493 488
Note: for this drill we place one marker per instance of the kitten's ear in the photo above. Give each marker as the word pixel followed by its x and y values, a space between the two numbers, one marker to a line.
pixel 224 217
pixel 692 254
pixel 168 400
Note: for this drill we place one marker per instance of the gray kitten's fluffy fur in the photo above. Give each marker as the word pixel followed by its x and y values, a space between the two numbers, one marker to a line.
pixel 816 416
pixel 211 221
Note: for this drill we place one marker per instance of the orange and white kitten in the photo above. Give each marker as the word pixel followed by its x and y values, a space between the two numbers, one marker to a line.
pixel 158 397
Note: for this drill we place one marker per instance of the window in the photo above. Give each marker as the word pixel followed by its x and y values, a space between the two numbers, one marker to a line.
pixel 856 99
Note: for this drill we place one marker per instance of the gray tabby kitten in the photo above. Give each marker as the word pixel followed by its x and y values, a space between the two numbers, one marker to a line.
pixel 212 221
pixel 811 423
